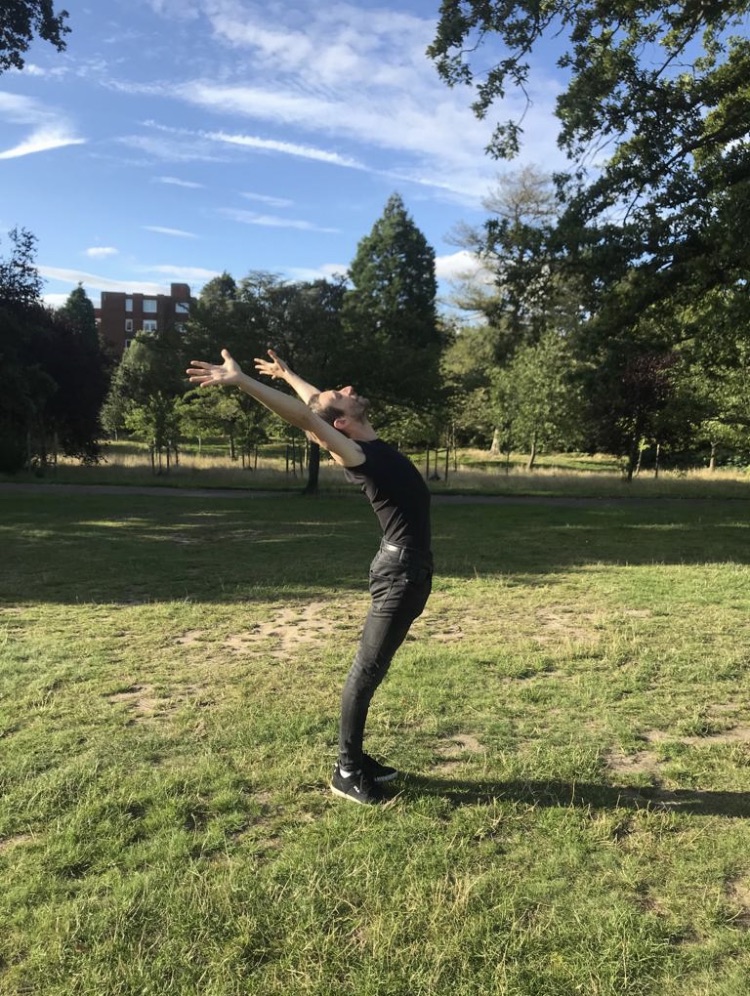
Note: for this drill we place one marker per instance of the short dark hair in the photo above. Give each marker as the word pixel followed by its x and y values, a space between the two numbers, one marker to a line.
pixel 328 413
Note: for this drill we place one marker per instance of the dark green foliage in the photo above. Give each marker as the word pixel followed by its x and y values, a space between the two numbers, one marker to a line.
pixel 55 375
pixel 663 88
pixel 390 320
pixel 20 21
pixel 650 228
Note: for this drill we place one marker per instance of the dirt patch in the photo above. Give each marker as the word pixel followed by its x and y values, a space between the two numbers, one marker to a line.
pixel 738 893
pixel 734 735
pixel 289 628
pixel 557 623
pixel 17 841
pixel 455 750
pixel 190 638
pixel 450 634
pixel 644 762
pixel 139 699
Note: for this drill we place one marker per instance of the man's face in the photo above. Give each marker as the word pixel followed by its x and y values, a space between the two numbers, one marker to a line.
pixel 346 400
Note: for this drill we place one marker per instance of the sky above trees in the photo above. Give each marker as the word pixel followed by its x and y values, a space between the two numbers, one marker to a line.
pixel 175 139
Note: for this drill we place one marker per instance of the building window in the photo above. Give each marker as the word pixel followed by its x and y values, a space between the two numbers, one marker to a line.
pixel 149 326
pixel 182 308
pixel 128 303
pixel 149 306
pixel 127 343
pixel 128 324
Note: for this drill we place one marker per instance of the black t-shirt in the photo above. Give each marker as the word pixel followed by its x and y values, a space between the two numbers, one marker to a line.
pixel 397 492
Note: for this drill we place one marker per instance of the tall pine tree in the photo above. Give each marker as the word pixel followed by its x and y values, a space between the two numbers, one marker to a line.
pixel 389 316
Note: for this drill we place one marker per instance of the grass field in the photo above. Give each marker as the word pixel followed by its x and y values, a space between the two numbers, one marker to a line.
pixel 572 714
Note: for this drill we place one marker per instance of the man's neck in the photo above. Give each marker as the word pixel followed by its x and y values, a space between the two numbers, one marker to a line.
pixel 361 432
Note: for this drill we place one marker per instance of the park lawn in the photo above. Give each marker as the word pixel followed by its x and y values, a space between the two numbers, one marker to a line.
pixel 572 714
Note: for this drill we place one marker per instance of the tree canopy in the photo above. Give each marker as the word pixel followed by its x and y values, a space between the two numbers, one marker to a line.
pixel 20 21
pixel 656 90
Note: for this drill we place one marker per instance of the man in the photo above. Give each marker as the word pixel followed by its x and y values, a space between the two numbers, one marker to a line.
pixel 401 572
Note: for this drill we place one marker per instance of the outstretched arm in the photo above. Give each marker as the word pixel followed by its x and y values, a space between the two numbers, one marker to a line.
pixel 279 370
pixel 229 374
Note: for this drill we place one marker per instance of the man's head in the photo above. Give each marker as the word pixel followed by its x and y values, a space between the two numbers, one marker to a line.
pixel 345 410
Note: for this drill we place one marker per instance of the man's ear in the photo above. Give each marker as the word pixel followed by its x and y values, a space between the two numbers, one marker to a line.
pixel 340 423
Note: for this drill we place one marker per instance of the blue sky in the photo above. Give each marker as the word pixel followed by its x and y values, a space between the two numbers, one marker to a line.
pixel 175 139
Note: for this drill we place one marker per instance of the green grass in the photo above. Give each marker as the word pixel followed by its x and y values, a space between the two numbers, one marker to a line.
pixel 572 714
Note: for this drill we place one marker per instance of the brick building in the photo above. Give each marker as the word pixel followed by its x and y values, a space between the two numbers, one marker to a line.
pixel 122 315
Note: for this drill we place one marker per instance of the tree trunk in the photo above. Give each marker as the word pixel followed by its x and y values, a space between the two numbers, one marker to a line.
pixel 495 447
pixel 712 458
pixel 313 470
pixel 532 454
pixel 656 459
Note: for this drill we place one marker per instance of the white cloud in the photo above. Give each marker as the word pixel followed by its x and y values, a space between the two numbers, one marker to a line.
pixel 178 232
pixel 327 271
pixel 197 150
pixel 91 280
pixel 278 202
pixel 100 252
pixel 185 274
pixel 272 221
pixel 287 148
pixel 462 265
pixel 174 181
pixel 359 78
pixel 49 129
pixel 55 300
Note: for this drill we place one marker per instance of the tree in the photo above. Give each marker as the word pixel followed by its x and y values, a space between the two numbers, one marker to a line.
pixel 20 20
pixel 391 328
pixel 512 246
pixel 54 377
pixel 536 396
pixel 662 88
pixel 76 362
pixel 145 393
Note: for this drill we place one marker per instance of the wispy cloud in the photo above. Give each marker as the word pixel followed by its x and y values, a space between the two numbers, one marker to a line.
pixel 177 232
pixel 100 252
pixel 272 221
pixel 49 128
pixel 278 202
pixel 176 182
pixel 358 75
pixel 198 149
pixel 287 148
pixel 92 280
pixel 186 274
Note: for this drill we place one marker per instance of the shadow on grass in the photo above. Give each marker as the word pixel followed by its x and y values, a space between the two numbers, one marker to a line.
pixel 133 549
pixel 579 795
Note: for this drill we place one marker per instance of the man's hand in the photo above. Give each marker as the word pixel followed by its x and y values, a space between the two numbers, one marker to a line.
pixel 275 367
pixel 226 374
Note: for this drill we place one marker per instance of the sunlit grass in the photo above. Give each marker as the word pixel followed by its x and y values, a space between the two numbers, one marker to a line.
pixel 468 471
pixel 572 713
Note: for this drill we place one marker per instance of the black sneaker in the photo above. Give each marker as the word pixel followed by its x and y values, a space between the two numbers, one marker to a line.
pixel 357 788
pixel 376 771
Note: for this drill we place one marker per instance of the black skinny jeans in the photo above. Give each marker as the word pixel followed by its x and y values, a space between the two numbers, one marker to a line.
pixel 400 584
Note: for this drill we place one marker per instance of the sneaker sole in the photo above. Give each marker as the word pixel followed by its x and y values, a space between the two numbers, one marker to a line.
pixel 352 798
